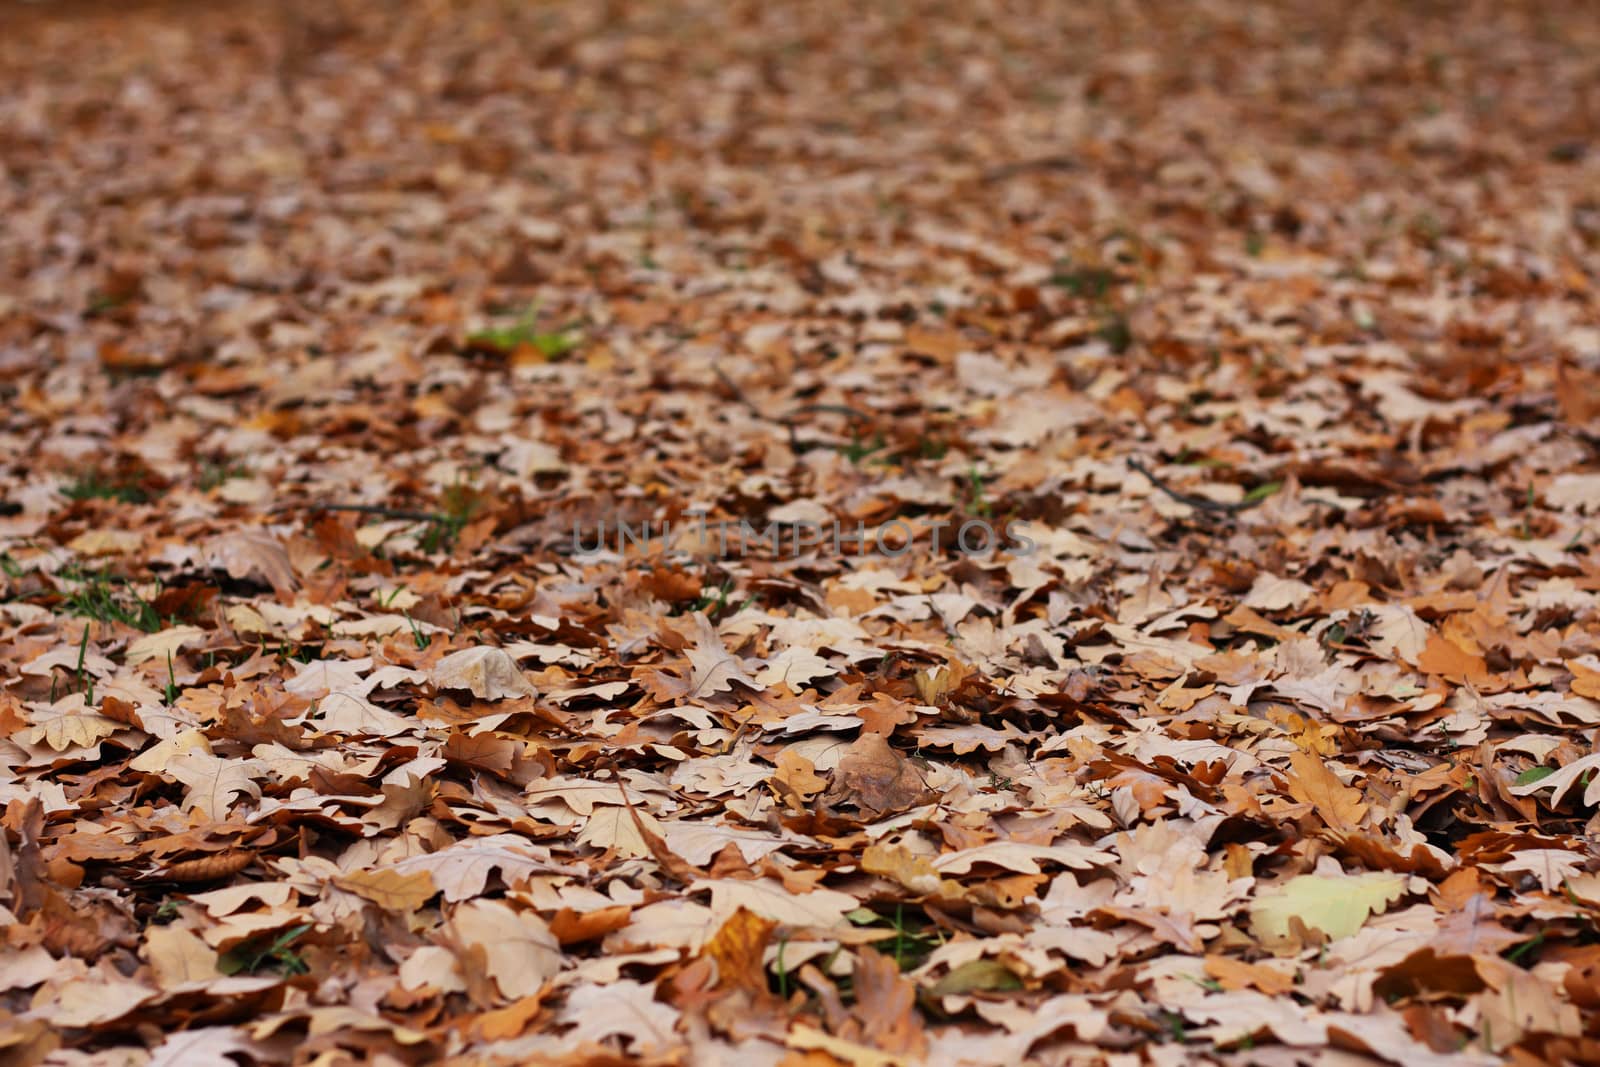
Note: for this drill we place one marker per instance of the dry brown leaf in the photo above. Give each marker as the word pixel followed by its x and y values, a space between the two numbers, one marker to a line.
pixel 875 778
pixel 886 1004
pixel 522 954
pixel 1311 782
pixel 1237 974
pixel 178 958
pixel 208 868
pixel 487 673
pixel 797 776
pixel 391 889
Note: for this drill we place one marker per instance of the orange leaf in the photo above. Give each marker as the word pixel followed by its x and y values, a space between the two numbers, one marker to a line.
pixel 1448 660
pixel 738 947
pixel 1234 974
pixel 1585 682
pixel 1312 783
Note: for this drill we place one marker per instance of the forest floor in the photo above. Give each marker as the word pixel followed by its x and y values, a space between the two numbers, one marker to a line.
pixel 1216 386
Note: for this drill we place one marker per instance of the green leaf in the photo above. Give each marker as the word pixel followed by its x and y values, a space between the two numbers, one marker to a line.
pixel 977 976
pixel 1261 492
pixel 1335 904
pixel 1534 774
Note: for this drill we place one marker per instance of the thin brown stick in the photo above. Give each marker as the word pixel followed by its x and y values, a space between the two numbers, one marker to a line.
pixel 369 509
pixel 1200 502
pixel 1028 166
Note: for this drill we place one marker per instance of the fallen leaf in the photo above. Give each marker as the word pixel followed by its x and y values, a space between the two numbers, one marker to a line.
pixel 487 673
pixel 622 1009
pixel 522 953
pixel 1313 783
pixel 1337 905
pixel 875 778
pixel 390 889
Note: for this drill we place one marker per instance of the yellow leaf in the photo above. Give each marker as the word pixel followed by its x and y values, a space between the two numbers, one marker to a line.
pixel 1335 904
pixel 911 871
pixel 158 646
pixel 70 731
pixel 809 1039
pixel 391 890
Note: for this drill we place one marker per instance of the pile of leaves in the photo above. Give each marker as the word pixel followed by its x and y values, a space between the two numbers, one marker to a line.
pixel 335 336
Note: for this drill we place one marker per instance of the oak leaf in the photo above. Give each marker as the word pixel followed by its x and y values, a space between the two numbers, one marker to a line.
pixel 486 672
pixel 622 1009
pixel 875 778
pixel 178 957
pixel 247 554
pixel 461 870
pixel 214 783
pixel 391 890
pixel 738 947
pixel 1445 658
pixel 1311 782
pixel 522 953
pixel 74 729
pixel 823 908
pixel 1337 905
pixel 886 1004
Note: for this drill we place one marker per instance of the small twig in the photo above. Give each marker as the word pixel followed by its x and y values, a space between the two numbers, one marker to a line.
pixel 1026 166
pixel 1200 502
pixel 1207 504
pixel 674 865
pixel 371 509
pixel 832 408
pixel 750 405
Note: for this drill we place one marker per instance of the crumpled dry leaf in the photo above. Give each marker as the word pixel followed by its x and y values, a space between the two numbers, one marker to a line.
pixel 487 673
pixel 254 556
pixel 874 777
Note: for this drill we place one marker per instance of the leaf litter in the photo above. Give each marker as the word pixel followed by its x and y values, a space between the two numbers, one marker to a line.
pixel 340 724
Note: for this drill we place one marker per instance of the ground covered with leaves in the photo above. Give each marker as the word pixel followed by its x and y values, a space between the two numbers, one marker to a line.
pixel 338 725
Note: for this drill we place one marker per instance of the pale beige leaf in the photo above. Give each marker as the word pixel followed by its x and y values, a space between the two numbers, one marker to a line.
pixel 462 869
pixel 486 672
pixel 622 1009
pixel 247 554
pixel 214 784
pixel 162 644
pixel 178 957
pixel 1022 858
pixel 522 952
pixel 769 899
pixel 71 730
